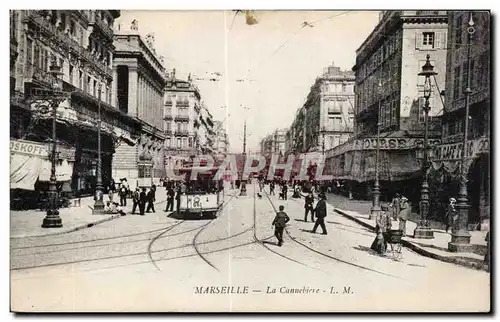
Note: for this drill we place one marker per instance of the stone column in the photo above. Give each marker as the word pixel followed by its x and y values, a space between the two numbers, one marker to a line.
pixel 133 108
pixel 141 92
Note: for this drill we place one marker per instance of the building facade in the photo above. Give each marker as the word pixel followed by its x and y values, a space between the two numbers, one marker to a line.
pixel 275 142
pixel 389 93
pixel 182 111
pixel 326 118
pixel 139 82
pixel 221 141
pixel 81 43
pixel 457 71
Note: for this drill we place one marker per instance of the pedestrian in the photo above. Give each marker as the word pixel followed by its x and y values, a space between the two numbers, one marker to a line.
pixel 396 206
pixel 487 255
pixel 119 209
pixel 135 200
pixel 284 190
pixel 404 214
pixel 320 212
pixel 279 224
pixel 123 196
pixel 308 206
pixel 383 226
pixel 142 201
pixel 178 199
pixel 151 198
pixel 111 191
pixel 271 188
pixel 170 198
pixel 451 214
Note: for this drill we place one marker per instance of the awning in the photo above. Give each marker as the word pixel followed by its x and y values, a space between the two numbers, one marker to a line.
pixel 24 171
pixel 64 170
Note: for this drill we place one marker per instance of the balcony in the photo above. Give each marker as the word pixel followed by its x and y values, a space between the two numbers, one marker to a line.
pixel 97 22
pixel 182 117
pixel 182 133
pixel 168 116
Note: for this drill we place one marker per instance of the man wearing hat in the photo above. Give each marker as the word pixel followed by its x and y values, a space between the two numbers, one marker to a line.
pixel 451 213
pixel 320 212
pixel 404 213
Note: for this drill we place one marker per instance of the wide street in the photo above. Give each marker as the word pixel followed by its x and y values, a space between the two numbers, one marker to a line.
pixel 159 263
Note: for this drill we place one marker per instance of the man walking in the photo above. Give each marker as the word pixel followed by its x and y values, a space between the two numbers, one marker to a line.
pixel 320 212
pixel 142 201
pixel 271 188
pixel 170 198
pixel 396 206
pixel 308 206
pixel 135 200
pixel 151 197
pixel 279 224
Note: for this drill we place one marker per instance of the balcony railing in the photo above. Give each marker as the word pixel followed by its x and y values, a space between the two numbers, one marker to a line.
pixel 102 26
pixel 182 117
pixel 181 132
pixel 168 116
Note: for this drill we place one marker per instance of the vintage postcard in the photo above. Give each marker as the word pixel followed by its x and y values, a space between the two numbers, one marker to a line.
pixel 250 161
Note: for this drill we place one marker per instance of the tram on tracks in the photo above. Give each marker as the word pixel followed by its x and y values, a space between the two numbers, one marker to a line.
pixel 203 196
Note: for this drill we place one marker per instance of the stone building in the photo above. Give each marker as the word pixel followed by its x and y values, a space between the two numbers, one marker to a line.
pixel 449 152
pixel 274 142
pixel 327 115
pixel 182 111
pixel 81 42
pixel 389 92
pixel 139 82
pixel 221 141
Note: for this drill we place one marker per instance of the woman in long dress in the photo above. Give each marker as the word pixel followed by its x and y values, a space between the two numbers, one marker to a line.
pixel 383 225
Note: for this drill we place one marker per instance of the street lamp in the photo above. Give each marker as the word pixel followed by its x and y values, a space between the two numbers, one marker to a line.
pixel 423 230
pixel 460 236
pixel 323 142
pixel 376 186
pixel 99 203
pixel 52 219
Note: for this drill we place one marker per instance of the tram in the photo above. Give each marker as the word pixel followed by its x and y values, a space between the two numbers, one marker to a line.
pixel 202 197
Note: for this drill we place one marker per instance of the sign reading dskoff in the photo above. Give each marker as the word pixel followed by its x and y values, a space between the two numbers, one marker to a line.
pixel 28 147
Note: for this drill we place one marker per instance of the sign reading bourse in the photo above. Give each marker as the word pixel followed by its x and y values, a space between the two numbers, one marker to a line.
pixel 385 144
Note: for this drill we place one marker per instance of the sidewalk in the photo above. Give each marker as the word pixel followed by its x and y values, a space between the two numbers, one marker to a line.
pixel 436 248
pixel 28 223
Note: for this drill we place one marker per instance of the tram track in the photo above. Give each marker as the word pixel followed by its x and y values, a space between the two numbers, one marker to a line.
pixel 327 255
pixel 260 242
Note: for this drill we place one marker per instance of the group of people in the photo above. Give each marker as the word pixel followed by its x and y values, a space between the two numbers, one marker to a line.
pixel 142 199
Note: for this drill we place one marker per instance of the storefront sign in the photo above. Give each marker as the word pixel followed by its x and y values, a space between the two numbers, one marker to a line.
pixel 385 144
pixel 453 151
pixel 28 147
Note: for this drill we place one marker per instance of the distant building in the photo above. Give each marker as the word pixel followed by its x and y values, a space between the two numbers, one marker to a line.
pixel 326 118
pixel 274 142
pixel 182 111
pixel 221 144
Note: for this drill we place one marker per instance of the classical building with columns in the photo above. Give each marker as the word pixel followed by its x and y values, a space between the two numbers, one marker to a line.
pixel 139 82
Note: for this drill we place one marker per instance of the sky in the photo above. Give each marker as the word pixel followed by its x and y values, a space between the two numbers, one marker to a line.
pixel 277 58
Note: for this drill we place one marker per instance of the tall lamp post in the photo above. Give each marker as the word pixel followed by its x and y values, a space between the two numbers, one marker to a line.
pixel 52 219
pixel 243 186
pixel 99 203
pixel 460 236
pixel 423 230
pixel 376 186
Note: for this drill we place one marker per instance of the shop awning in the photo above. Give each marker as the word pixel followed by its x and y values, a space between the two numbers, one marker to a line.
pixel 24 171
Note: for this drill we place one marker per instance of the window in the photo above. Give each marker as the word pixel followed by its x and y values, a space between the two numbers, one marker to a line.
pixel 190 142
pixel 179 127
pixel 88 84
pixel 29 55
pixel 71 74
pixel 94 88
pixel 458 31
pixel 178 142
pixel 344 88
pixel 456 83
pixel 464 77
pixel 168 142
pixel 184 143
pixel 168 126
pixel 80 79
pixel 427 40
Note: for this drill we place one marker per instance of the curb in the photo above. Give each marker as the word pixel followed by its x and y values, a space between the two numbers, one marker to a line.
pixel 83 226
pixel 70 230
pixel 421 251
